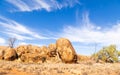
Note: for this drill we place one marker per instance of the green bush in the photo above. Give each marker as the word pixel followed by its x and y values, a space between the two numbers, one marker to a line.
pixel 107 54
pixel 118 53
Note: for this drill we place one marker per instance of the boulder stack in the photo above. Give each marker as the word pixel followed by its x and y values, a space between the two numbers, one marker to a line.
pixel 33 58
pixel 22 49
pixel 61 51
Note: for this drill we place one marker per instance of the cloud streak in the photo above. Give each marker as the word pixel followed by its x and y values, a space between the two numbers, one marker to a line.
pixel 2 41
pixel 88 37
pixel 17 30
pixel 89 33
pixel 48 5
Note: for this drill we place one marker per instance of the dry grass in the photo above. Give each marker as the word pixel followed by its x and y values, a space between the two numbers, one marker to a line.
pixel 60 68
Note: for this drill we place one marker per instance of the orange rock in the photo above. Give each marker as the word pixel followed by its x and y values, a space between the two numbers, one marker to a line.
pixel 35 49
pixel 52 50
pixel 52 47
pixel 22 49
pixel 1 54
pixel 10 54
pixel 2 48
pixel 66 50
pixel 33 58
pixel 27 49
pixel 30 53
pixel 44 50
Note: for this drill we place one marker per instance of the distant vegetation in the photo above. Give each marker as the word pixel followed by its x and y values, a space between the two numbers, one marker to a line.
pixel 107 54
pixel 60 51
pixel 11 42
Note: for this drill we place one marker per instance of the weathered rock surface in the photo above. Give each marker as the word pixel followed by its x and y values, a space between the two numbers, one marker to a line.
pixel 1 54
pixel 22 49
pixel 61 51
pixel 2 48
pixel 52 50
pixel 66 50
pixel 7 53
pixel 10 54
pixel 44 50
pixel 33 58
pixel 30 53
pixel 27 49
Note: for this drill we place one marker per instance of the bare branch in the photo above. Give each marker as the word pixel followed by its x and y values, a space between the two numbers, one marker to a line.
pixel 11 42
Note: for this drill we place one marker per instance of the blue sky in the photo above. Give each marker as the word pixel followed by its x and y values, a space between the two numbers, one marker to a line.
pixel 85 23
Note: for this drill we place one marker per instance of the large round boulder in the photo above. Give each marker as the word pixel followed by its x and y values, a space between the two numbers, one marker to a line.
pixel 66 51
pixel 10 54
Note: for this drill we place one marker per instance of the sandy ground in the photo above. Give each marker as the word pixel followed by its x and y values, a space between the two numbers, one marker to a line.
pixel 12 72
pixel 16 68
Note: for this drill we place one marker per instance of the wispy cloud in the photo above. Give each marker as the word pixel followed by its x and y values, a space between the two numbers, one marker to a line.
pixel 48 5
pixel 89 33
pixel 17 30
pixel 88 37
pixel 26 43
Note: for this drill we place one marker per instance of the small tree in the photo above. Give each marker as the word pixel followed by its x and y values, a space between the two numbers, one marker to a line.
pixel 107 54
pixel 119 56
pixel 11 42
pixel 118 53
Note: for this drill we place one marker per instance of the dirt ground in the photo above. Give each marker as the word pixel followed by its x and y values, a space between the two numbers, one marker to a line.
pixel 16 68
pixel 12 72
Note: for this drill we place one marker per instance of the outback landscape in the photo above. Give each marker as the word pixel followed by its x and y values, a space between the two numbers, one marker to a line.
pixel 59 37
pixel 56 59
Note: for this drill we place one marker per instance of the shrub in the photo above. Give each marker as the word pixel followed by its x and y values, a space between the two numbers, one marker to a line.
pixel 107 54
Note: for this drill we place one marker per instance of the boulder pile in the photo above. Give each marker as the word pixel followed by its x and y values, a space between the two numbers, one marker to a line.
pixel 61 51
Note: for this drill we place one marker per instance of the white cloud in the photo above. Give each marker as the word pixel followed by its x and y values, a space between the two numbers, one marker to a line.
pixel 48 5
pixel 18 36
pixel 22 43
pixel 17 30
pixel 86 35
pixel 43 5
pixel 90 33
pixel 20 5
pixel 2 41
pixel 27 43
